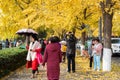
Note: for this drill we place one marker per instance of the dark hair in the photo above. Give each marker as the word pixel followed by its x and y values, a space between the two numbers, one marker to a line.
pixel 96 39
pixel 70 32
pixel 6 39
pixel 34 37
pixel 72 37
pixel 54 39
pixel 57 39
pixel 93 39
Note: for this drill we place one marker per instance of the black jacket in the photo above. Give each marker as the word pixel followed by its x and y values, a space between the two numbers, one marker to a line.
pixel 71 42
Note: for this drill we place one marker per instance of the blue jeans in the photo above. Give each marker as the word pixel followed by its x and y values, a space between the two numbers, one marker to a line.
pixel 96 62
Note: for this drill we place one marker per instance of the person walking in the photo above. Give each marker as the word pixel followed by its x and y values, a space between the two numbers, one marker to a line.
pixel 33 57
pixel 97 50
pixel 90 51
pixel 71 49
pixel 11 43
pixel 82 48
pixel 63 49
pixel 7 43
pixel 53 57
pixel 43 45
pixel 84 52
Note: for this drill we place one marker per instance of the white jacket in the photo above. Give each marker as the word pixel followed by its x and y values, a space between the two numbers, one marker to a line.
pixel 32 55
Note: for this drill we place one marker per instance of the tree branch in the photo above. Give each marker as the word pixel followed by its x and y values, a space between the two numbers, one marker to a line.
pixel 84 12
pixel 88 15
pixel 26 2
pixel 102 6
pixel 111 5
pixel 112 14
pixel 19 5
pixel 108 2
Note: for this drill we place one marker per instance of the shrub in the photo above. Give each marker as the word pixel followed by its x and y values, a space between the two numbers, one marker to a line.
pixel 11 59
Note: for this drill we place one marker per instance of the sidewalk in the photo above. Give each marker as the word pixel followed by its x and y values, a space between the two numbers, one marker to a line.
pixel 82 73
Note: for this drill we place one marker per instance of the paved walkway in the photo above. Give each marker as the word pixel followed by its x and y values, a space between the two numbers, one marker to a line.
pixel 82 73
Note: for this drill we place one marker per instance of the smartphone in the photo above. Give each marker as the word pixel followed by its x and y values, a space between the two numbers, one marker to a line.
pixel 30 49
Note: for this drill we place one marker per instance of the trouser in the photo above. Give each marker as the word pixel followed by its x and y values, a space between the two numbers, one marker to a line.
pixel 33 71
pixel 71 60
pixel 64 56
pixel 96 62
pixel 34 66
pixel 91 60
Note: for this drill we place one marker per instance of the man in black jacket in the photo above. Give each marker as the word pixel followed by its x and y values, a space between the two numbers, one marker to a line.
pixel 71 41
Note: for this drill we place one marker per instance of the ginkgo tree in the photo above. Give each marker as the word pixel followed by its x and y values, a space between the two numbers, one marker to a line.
pixel 107 9
pixel 9 19
pixel 60 16
pixel 64 15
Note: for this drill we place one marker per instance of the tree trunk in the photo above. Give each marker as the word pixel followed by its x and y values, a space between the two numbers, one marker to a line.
pixel 63 34
pixel 83 37
pixel 83 26
pixel 100 29
pixel 74 30
pixel 107 30
pixel 107 18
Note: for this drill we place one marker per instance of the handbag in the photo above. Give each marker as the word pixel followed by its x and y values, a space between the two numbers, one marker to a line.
pixel 29 64
pixel 39 58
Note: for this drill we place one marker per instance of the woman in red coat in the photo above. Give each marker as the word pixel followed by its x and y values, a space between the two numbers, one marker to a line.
pixel 33 57
pixel 52 57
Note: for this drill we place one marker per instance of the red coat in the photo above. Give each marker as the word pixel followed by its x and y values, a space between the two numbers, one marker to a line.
pixel 53 57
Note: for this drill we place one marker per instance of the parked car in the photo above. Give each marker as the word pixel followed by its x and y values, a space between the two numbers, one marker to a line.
pixel 115 45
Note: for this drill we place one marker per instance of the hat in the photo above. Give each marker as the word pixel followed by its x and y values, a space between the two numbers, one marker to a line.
pixel 63 42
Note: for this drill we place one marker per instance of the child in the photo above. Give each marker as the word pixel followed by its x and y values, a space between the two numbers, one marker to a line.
pixel 63 50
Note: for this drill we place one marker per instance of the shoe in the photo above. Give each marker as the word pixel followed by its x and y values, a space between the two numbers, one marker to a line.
pixel 90 68
pixel 33 76
pixel 73 71
pixel 68 71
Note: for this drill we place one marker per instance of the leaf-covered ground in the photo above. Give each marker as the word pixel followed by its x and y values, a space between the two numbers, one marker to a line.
pixel 82 72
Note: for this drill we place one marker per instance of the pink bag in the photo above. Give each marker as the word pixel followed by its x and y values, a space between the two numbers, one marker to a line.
pixel 39 58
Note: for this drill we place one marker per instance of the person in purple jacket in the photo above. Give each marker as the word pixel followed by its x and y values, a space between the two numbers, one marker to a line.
pixel 53 57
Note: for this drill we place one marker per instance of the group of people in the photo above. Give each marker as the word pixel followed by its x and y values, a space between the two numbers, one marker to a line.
pixel 94 53
pixel 52 55
pixel 11 43
pixel 8 43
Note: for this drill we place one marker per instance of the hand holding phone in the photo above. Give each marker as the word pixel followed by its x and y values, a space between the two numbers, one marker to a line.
pixel 30 49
